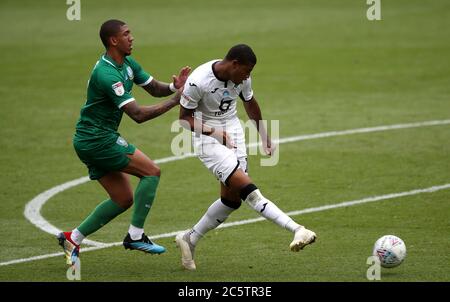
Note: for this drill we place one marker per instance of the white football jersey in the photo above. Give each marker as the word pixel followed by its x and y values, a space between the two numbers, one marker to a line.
pixel 213 98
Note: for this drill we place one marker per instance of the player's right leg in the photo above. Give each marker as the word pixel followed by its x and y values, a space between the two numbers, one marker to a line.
pixel 216 214
pixel 222 162
pixel 121 198
pixel 70 248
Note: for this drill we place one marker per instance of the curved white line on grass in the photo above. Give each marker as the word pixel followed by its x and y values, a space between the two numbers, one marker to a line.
pixel 33 208
pixel 363 130
pixel 248 221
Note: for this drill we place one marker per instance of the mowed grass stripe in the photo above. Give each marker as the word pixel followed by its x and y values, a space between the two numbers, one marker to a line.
pixel 248 221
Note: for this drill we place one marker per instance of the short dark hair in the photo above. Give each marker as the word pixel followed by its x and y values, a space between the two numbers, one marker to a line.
pixel 109 29
pixel 242 53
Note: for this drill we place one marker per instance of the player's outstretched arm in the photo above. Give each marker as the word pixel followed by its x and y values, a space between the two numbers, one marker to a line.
pixel 188 121
pixel 161 89
pixel 142 114
pixel 254 114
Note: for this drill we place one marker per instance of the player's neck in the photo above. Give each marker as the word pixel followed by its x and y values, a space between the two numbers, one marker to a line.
pixel 220 71
pixel 117 56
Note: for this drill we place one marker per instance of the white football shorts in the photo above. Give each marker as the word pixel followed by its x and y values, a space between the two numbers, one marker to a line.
pixel 219 159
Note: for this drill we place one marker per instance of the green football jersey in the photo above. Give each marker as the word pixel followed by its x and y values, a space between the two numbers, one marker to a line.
pixel 109 89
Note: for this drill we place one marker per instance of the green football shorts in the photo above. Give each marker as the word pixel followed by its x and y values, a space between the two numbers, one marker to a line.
pixel 103 157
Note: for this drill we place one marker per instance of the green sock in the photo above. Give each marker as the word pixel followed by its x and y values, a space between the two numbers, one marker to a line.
pixel 102 214
pixel 143 200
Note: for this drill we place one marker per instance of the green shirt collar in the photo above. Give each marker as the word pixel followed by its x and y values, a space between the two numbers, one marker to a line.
pixel 111 61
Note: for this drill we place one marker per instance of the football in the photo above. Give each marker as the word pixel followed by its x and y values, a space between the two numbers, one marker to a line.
pixel 391 250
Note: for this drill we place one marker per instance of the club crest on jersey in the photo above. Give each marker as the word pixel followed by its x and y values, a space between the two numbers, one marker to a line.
pixel 121 141
pixel 130 73
pixel 226 93
pixel 118 88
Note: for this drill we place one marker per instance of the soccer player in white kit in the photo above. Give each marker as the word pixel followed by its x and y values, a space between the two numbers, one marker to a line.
pixel 208 108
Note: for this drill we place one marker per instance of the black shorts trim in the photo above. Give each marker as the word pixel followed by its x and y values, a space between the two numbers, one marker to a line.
pixel 232 172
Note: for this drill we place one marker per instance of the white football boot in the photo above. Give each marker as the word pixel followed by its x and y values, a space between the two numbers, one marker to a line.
pixel 302 238
pixel 187 250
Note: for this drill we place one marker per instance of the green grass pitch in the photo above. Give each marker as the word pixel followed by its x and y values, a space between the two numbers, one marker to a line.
pixel 322 66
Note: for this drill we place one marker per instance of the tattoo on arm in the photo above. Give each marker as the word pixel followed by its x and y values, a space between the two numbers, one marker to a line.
pixel 158 89
pixel 142 114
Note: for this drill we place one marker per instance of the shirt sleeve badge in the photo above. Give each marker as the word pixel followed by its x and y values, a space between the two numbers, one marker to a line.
pixel 118 88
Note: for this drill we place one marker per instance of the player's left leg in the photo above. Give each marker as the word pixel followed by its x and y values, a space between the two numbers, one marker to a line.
pixel 249 193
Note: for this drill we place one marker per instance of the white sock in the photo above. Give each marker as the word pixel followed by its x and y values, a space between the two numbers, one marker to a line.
pixel 135 233
pixel 76 236
pixel 214 216
pixel 270 211
pixel 194 236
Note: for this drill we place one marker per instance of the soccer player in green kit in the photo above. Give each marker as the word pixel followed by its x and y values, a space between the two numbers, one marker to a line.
pixel 109 157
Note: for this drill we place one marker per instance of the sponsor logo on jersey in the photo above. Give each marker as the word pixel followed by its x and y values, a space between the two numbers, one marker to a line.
pixel 118 88
pixel 130 73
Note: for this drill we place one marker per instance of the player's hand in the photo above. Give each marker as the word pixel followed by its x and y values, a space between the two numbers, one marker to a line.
pixel 269 147
pixel 223 138
pixel 178 81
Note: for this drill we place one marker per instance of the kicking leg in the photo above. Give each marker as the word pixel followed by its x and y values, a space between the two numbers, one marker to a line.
pixel 266 208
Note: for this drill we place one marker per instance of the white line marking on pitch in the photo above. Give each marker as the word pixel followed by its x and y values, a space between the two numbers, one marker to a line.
pixel 248 221
pixel 33 207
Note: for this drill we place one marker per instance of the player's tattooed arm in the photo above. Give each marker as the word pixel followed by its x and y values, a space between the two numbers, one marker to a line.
pixel 161 89
pixel 157 89
pixel 141 114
